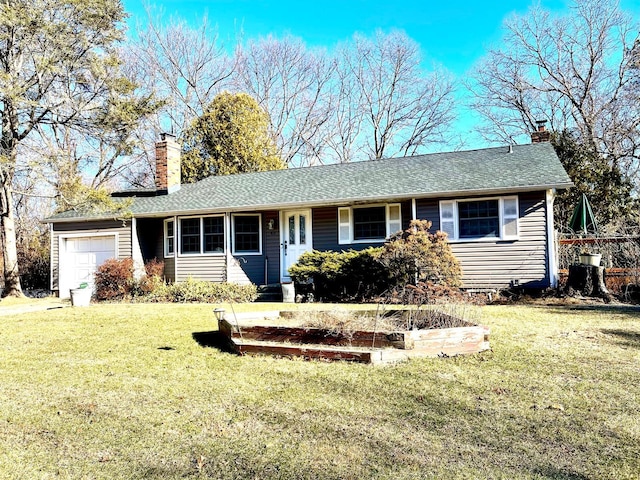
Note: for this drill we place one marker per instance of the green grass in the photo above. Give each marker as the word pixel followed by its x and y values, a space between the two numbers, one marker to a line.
pixel 124 391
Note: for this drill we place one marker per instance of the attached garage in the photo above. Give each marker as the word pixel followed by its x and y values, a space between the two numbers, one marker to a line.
pixel 80 256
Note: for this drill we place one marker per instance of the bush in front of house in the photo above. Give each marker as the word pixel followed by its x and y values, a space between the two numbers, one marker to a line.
pixel 416 255
pixel 115 280
pixel 341 276
pixel 408 257
pixel 202 291
pixel 152 280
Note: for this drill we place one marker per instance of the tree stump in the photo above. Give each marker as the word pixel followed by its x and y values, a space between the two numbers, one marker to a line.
pixel 588 281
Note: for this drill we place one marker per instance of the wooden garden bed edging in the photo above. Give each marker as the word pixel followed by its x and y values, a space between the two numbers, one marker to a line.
pixel 357 346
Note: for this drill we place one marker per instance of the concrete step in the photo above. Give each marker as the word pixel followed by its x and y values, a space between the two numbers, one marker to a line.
pixel 269 293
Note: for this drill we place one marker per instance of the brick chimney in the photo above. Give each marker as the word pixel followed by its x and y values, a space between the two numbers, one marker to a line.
pixel 167 164
pixel 542 134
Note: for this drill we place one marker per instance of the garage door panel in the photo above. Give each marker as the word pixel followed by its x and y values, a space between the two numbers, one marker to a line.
pixel 102 245
pixel 81 258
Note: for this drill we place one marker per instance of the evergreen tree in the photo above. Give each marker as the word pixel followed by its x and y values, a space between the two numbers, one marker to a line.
pixel 608 190
pixel 231 136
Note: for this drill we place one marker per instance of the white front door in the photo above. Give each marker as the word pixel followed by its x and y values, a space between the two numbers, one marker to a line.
pixel 296 238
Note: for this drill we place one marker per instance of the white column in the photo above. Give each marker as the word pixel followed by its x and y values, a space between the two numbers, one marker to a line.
pixel 551 240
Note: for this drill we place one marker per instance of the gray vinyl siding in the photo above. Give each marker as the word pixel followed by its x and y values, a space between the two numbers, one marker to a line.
pixel 271 247
pixel 211 268
pixel 242 268
pixel 325 229
pixel 252 267
pixel 123 248
pixel 497 264
pixel 170 269
pixel 248 268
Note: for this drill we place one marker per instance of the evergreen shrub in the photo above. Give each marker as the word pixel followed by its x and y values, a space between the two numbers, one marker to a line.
pixel 408 257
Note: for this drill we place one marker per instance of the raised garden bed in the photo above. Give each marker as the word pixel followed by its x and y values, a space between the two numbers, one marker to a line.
pixel 266 336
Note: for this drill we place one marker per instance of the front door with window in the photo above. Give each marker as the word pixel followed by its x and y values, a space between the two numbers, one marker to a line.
pixel 296 238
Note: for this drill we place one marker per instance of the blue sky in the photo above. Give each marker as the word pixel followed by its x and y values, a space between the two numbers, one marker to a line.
pixel 452 33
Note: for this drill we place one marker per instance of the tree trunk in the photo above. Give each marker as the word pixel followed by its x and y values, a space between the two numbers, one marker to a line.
pixel 588 280
pixel 12 287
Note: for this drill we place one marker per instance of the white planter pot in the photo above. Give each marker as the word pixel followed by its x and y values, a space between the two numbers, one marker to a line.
pixel 80 297
pixel 591 259
pixel 288 293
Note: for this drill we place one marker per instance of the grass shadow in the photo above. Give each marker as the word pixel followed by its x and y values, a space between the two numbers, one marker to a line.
pixel 627 338
pixel 559 474
pixel 631 310
pixel 213 339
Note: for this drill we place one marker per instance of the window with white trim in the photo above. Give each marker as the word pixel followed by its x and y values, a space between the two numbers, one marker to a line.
pixel 169 238
pixel 368 223
pixel 247 234
pixel 481 219
pixel 202 235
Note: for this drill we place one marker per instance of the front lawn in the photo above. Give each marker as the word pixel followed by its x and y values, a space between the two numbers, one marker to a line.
pixel 126 391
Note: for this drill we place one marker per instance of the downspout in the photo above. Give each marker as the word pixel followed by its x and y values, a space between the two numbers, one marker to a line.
pixel 551 240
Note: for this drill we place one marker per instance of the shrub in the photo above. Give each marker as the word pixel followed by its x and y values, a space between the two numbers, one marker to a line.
pixel 202 291
pixel 153 278
pixel 33 258
pixel 341 276
pixel 415 255
pixel 409 257
pixel 114 279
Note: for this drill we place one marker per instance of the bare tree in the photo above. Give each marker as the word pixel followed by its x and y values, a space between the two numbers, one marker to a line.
pixel 291 83
pixel 185 67
pixel 342 135
pixel 574 70
pixel 394 106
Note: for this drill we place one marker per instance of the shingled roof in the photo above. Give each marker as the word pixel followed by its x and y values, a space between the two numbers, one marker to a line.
pixel 452 174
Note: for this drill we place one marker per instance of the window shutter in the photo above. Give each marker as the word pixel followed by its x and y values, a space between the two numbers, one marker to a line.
pixel 344 225
pixel 394 219
pixel 510 218
pixel 448 219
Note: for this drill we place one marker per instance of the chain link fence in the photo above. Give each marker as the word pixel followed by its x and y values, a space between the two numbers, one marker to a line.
pixel 620 257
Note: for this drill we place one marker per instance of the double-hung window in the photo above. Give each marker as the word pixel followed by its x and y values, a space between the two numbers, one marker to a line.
pixel 481 219
pixel 247 234
pixel 213 234
pixel 201 235
pixel 369 223
pixel 169 238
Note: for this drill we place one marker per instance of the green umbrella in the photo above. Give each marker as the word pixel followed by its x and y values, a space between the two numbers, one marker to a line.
pixel 583 221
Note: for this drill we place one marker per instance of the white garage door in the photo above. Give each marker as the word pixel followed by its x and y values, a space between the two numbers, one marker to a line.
pixel 80 257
